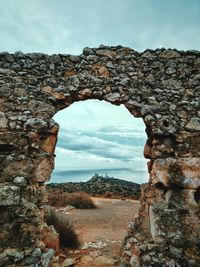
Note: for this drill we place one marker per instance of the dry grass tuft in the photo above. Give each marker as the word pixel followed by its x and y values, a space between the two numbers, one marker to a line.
pixel 108 194
pixel 81 201
pixel 66 231
pixel 78 200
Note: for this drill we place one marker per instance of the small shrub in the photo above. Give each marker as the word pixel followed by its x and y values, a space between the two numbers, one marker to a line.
pixel 78 200
pixel 53 199
pixel 81 201
pixel 108 194
pixel 66 231
pixel 58 198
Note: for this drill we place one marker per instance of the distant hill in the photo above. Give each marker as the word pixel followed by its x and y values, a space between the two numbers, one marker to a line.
pixel 100 185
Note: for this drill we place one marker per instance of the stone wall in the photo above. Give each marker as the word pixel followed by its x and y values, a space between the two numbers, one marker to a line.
pixel 161 86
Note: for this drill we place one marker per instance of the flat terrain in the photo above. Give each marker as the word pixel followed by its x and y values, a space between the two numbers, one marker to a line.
pixel 102 230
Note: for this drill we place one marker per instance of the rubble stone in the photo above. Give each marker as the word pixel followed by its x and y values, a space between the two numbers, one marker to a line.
pixel 44 169
pixel 162 87
pixel 3 120
pixel 193 124
pixel 171 172
pixel 20 181
pixel 68 263
pixel 9 195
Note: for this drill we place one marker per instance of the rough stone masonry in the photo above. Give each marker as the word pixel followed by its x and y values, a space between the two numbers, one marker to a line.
pixel 162 87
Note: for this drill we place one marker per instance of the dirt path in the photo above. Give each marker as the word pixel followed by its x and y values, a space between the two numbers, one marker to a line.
pixel 102 230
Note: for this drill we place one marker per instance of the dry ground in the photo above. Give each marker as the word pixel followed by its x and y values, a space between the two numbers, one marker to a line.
pixel 102 230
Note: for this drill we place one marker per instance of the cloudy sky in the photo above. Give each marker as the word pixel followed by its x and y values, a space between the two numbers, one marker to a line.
pixel 66 26
pixel 97 135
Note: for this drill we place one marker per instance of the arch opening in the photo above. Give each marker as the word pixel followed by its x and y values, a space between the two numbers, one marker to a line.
pixel 98 136
pixel 99 141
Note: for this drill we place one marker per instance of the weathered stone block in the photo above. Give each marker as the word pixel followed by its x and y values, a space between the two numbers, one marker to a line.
pixel 113 97
pixel 44 169
pixel 3 120
pixel 169 54
pixel 188 144
pixel 164 223
pixel 9 195
pixel 134 261
pixel 34 258
pixel 172 172
pixel 16 167
pixel 106 53
pixel 10 141
pixel 49 144
pixel 182 198
pixel 2 105
pixel 35 194
pixel 174 224
pixel 21 226
pixel 47 257
pixel 49 90
pixel 20 181
pixel 11 256
pixel 193 124
pixel 103 72
pixel 36 124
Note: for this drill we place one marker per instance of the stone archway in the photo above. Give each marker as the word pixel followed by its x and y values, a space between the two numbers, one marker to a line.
pixel 161 86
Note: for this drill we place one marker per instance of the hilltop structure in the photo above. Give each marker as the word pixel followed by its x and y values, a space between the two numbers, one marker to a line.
pixel 101 185
pixel 161 86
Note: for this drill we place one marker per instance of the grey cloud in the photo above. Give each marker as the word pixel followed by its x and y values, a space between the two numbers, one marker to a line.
pixel 113 147
pixel 120 135
pixel 131 140
pixel 68 26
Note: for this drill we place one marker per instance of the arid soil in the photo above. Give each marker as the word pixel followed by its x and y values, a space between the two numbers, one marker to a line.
pixel 102 231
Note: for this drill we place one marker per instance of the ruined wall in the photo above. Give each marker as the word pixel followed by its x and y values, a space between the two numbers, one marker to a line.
pixel 161 86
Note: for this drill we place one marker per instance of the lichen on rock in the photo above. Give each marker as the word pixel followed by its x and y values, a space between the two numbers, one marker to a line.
pixel 161 86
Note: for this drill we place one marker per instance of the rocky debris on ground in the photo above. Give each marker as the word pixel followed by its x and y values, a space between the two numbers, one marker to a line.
pixel 92 254
pixel 68 263
pixel 65 210
pixel 99 261
pixel 98 245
